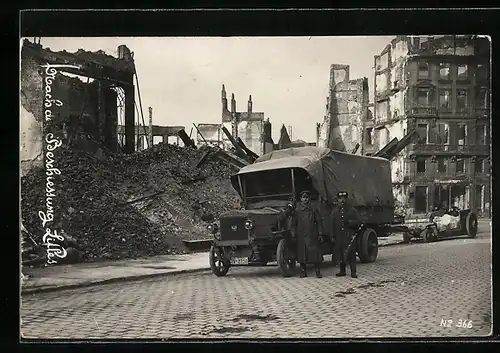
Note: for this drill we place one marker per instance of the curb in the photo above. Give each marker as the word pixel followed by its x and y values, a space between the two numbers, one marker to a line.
pixel 108 281
pixel 129 278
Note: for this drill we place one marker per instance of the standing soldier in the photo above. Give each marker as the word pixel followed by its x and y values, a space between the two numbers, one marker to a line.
pixel 309 229
pixel 345 218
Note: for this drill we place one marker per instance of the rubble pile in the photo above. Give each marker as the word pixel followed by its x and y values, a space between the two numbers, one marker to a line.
pixel 129 206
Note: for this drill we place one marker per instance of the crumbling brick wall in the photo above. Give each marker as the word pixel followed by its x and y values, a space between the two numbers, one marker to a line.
pixel 347 109
pixel 31 114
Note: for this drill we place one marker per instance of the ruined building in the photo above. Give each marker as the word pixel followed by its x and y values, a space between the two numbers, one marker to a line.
pixel 346 111
pixel 249 126
pixel 89 107
pixel 440 86
pixel 285 140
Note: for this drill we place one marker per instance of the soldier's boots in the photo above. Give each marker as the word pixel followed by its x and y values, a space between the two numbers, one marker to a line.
pixel 353 271
pixel 318 272
pixel 303 271
pixel 342 271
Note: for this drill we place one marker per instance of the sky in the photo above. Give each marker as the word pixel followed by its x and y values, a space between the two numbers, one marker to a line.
pixel 181 77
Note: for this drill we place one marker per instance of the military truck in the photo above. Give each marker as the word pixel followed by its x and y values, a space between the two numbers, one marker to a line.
pixel 261 231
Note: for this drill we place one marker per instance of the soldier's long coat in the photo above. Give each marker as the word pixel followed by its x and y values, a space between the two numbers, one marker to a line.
pixel 308 228
pixel 345 220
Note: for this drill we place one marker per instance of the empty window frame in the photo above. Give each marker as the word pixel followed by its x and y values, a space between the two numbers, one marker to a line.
pixel 462 134
pixel 368 139
pixel 481 72
pixel 479 197
pixel 442 164
pixel 423 132
pixel 482 99
pixel 443 134
pixel 421 165
pixel 445 99
pixel 479 165
pixel 421 199
pixel 462 72
pixel 460 166
pixel 423 42
pixel 444 71
pixel 423 70
pixel 481 135
pixel 461 100
pixel 424 97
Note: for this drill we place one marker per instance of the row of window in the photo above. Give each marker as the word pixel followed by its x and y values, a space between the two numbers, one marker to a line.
pixel 445 196
pixel 444 162
pixel 425 98
pixel 481 71
pixel 442 134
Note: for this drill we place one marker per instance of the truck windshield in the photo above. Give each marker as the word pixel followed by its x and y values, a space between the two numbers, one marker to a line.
pixel 268 183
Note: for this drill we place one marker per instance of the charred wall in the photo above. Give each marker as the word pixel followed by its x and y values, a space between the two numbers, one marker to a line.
pixel 31 113
pixel 346 111
pixel 247 125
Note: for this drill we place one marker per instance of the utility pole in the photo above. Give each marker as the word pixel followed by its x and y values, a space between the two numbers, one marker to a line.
pixel 150 132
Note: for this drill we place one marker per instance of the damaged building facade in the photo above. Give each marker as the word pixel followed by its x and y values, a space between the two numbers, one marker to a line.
pixel 346 111
pixel 439 86
pixel 90 95
pixel 249 126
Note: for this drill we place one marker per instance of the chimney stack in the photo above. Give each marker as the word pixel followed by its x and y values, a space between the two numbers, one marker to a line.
pixel 224 98
pixel 250 104
pixel 233 104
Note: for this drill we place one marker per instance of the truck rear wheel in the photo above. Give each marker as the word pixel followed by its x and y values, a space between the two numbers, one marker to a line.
pixel 284 257
pixel 218 263
pixel 368 246
pixel 471 225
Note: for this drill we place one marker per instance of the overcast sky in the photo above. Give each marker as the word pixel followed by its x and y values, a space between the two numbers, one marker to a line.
pixel 181 77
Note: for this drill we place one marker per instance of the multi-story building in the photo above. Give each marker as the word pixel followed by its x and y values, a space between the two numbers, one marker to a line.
pixel 440 86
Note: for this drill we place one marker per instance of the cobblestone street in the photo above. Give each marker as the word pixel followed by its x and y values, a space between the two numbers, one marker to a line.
pixel 407 292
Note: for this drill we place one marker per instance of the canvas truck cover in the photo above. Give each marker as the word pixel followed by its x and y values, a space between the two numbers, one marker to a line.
pixel 366 179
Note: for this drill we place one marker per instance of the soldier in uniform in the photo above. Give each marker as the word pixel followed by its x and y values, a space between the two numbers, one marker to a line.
pixel 345 218
pixel 308 236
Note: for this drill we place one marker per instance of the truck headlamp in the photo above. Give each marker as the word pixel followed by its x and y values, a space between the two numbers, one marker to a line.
pixel 213 228
pixel 248 224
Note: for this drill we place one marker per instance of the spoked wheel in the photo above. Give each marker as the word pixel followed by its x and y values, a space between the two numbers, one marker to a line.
pixel 471 225
pixel 429 234
pixel 368 246
pixel 285 258
pixel 218 263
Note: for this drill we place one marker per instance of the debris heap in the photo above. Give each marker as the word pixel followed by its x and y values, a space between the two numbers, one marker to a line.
pixel 129 206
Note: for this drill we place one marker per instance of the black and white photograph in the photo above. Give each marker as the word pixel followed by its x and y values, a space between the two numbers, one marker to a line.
pixel 255 187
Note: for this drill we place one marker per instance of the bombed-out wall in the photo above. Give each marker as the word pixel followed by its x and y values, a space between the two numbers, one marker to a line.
pixel 210 133
pixel 31 114
pixel 346 110
pixel 247 125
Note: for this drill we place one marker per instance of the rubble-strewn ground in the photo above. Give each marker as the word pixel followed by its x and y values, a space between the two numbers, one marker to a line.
pixel 92 206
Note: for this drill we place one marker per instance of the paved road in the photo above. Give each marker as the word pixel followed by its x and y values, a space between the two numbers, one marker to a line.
pixel 407 292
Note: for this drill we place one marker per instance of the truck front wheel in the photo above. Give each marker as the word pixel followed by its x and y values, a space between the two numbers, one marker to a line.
pixel 218 263
pixel 286 260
